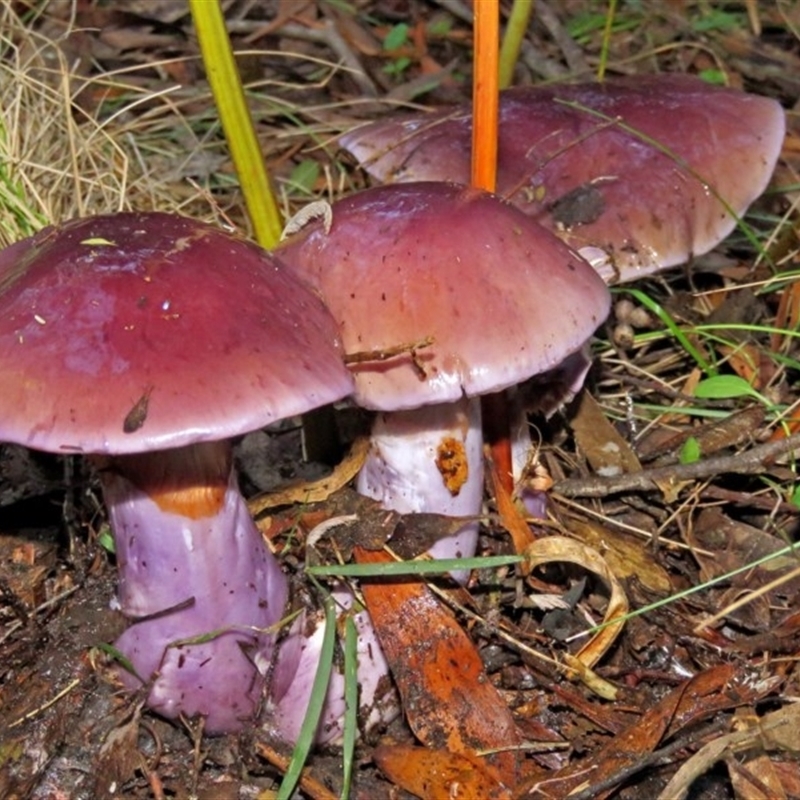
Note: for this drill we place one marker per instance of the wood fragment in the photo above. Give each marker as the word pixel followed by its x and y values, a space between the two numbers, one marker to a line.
pixel 319 209
pixel 309 784
pixel 751 461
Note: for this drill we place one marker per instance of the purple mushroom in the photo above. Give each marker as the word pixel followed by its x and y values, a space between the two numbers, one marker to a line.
pixel 643 172
pixel 496 297
pixel 149 341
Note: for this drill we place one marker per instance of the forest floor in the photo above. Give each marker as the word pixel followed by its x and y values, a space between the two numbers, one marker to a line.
pixel 105 107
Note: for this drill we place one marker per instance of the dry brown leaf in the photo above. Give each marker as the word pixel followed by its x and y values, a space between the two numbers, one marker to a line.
pixel 605 449
pixel 626 557
pixel 439 774
pixel 701 697
pixel 734 545
pixel 561 548
pixel 314 491
pixel 766 784
pixel 778 730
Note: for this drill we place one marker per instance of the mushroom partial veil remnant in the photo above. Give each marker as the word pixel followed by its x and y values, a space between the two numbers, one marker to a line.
pixel 643 172
pixel 494 297
pixel 149 341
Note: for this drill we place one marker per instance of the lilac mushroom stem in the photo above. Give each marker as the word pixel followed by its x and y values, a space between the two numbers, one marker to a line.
pixel 196 580
pixel 430 459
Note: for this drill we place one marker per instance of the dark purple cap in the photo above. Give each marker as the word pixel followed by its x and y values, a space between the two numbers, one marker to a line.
pixel 642 168
pixel 500 297
pixel 133 332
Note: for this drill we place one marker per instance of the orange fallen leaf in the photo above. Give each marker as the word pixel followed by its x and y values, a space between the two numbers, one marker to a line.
pixel 448 699
pixel 748 361
pixel 440 774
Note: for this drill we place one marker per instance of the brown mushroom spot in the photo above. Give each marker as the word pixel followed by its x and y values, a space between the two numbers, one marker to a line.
pixel 451 461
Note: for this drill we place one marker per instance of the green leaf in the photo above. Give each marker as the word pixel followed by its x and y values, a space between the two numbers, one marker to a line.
pixel 724 387
pixel 106 539
pixel 717 77
pixel 690 452
pixel 397 36
pixel 439 27
pixel 122 660
pixel 718 20
pixel 304 175
pixel 397 66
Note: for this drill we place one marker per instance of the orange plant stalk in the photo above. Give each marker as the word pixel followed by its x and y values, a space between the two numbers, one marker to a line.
pixel 485 90
pixel 485 102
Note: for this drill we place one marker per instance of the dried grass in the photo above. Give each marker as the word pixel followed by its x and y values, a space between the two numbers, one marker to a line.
pixel 73 145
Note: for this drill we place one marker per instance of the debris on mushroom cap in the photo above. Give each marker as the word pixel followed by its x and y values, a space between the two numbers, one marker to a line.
pixel 130 332
pixel 500 297
pixel 637 167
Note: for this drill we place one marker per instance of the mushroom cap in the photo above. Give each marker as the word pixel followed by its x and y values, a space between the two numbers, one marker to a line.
pixel 501 298
pixel 635 166
pixel 133 332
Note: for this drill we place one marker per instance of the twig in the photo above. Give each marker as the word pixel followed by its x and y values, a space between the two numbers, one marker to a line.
pixel 573 54
pixel 659 388
pixel 749 500
pixel 747 462
pixel 327 34
pixel 308 783
pixel 45 605
pixel 663 756
pixel 51 702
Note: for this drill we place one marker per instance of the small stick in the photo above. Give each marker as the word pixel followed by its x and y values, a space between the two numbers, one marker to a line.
pixel 384 354
pixel 749 461
pixel 308 784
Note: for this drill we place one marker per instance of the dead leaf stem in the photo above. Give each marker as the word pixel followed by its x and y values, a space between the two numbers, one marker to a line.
pixel 754 460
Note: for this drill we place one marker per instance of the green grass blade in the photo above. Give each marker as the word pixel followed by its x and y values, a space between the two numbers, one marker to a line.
pixel 438 566
pixel 226 86
pixel 656 309
pixel 308 729
pixel 512 40
pixel 351 703
pixel 606 44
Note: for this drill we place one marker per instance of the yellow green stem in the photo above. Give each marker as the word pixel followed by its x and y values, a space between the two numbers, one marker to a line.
pixel 512 39
pixel 237 124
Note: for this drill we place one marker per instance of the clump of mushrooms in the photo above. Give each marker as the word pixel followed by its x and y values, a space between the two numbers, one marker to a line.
pixel 450 293
pixel 644 173
pixel 149 341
